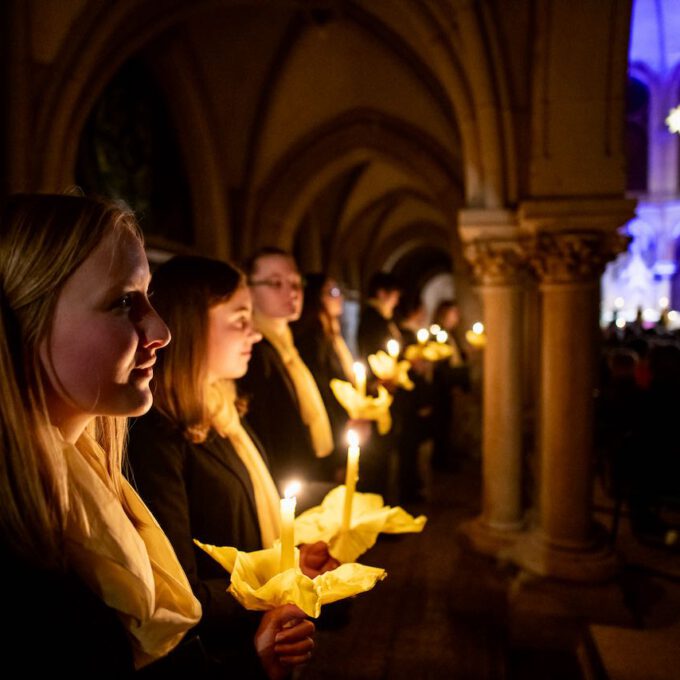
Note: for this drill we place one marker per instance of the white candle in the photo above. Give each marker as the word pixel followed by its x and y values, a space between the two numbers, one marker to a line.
pixel 359 377
pixel 351 477
pixel 423 335
pixel 288 526
pixel 393 348
pixel 442 336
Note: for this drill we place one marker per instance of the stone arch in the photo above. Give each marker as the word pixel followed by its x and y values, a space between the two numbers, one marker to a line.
pixel 277 206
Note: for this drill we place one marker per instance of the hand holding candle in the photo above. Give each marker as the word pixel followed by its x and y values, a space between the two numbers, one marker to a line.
pixel 287 526
pixel 351 477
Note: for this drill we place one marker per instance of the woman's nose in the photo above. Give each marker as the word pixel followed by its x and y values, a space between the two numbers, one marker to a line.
pixel 156 332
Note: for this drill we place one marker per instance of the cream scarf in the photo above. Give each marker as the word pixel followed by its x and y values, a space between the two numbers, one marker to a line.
pixel 134 571
pixel 312 408
pixel 227 423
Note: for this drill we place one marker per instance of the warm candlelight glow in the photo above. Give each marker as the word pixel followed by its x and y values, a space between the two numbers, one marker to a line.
pixel 442 336
pixel 423 335
pixel 435 328
pixel 393 348
pixel 288 525
pixel 478 328
pixel 292 489
pixel 351 477
pixel 359 377
pixel 663 302
pixel 620 322
pixel 619 302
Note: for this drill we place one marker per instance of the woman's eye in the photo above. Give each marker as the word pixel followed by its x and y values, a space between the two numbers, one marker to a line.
pixel 124 302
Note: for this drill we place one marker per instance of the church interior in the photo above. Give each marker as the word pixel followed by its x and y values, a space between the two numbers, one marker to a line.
pixel 520 157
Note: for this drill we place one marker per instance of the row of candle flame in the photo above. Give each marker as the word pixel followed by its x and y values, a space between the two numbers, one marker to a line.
pixel 289 500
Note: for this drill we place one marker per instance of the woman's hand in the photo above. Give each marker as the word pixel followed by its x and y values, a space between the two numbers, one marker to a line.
pixel 315 559
pixel 284 639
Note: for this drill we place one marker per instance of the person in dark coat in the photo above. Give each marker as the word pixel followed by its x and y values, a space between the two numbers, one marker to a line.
pixel 319 340
pixel 92 587
pixel 203 473
pixel 376 325
pixel 285 409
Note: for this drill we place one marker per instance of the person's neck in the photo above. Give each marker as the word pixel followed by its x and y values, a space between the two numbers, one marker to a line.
pixel 277 324
pixel 71 428
pixel 382 308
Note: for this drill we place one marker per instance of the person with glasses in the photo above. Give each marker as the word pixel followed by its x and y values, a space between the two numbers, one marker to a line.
pixel 319 340
pixel 286 411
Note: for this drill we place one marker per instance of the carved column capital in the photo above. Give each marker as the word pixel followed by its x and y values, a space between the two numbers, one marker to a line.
pixel 576 256
pixel 497 261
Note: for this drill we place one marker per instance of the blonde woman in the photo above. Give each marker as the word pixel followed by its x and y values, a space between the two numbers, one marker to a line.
pixel 199 469
pixel 92 586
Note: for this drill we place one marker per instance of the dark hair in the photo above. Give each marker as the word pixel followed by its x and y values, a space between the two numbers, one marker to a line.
pixel 314 315
pixel 441 309
pixel 383 281
pixel 184 290
pixel 250 264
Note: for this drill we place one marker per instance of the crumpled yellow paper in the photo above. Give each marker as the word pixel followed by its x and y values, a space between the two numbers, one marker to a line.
pixel 370 517
pixel 428 351
pixel 257 583
pixel 387 367
pixel 361 407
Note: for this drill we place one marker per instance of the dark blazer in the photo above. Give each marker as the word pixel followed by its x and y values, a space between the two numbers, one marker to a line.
pixel 201 491
pixel 374 331
pixel 57 626
pixel 274 415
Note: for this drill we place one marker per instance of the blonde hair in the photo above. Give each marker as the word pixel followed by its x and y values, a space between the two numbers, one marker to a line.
pixel 43 239
pixel 184 290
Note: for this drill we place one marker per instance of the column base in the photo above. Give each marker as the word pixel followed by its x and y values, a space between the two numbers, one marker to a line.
pixel 593 562
pixel 488 539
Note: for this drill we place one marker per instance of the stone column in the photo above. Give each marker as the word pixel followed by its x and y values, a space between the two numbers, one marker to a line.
pixel 497 258
pixel 569 263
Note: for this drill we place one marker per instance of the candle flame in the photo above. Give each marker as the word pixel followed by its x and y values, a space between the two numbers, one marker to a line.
pixel 352 437
pixel 442 336
pixel 478 327
pixel 423 334
pixel 359 369
pixel 292 489
pixel 663 301
pixel 619 302
pixel 435 328
pixel 393 348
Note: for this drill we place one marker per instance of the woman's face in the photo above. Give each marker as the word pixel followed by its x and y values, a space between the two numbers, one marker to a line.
pixel 105 335
pixel 231 336
pixel 332 298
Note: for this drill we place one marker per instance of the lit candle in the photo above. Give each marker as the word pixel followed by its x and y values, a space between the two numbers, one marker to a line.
pixel 351 477
pixel 478 328
pixel 359 377
pixel 393 348
pixel 442 337
pixel 435 328
pixel 663 302
pixel 423 334
pixel 287 526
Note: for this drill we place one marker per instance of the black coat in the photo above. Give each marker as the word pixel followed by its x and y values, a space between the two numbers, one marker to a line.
pixel 274 415
pixel 374 331
pixel 201 491
pixel 57 627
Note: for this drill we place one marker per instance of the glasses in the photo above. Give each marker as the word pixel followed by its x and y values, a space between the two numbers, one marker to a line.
pixel 334 292
pixel 278 284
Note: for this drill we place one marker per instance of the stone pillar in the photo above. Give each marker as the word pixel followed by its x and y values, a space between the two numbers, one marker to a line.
pixel 569 263
pixel 497 258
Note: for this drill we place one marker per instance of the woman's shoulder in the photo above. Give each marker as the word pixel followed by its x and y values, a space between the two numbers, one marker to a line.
pixel 154 431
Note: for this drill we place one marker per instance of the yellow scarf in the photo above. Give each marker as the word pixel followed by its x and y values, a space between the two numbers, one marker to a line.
pixel 134 571
pixel 226 421
pixel 312 408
